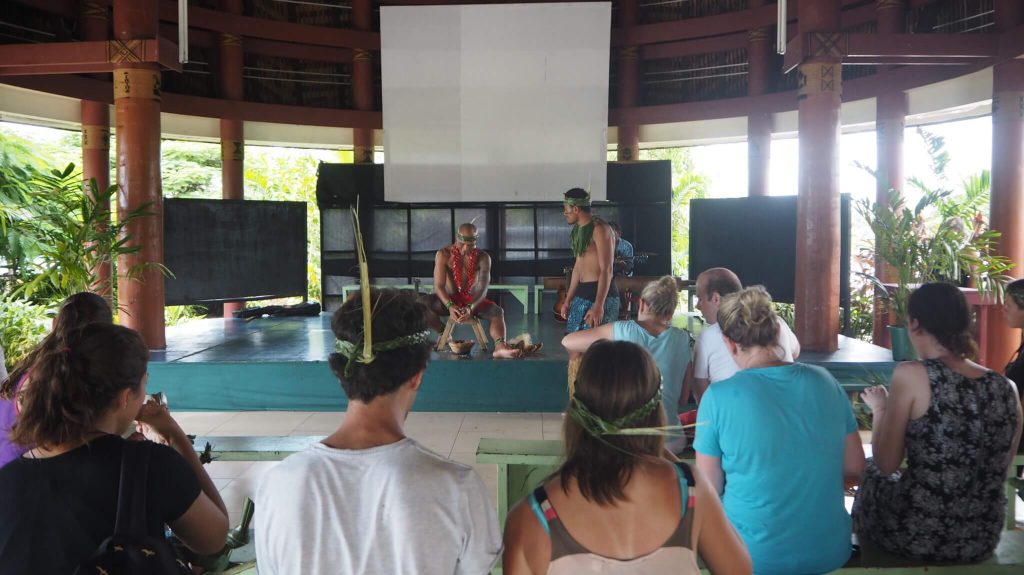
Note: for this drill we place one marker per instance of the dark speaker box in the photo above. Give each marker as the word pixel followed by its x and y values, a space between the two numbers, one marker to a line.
pixel 339 185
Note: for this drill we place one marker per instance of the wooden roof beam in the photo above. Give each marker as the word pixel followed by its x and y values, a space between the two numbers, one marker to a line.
pixel 84 57
pixel 248 27
pixel 861 48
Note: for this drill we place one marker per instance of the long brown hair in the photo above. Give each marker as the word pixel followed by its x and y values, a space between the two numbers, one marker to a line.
pixel 941 309
pixel 615 379
pixel 77 310
pixel 75 380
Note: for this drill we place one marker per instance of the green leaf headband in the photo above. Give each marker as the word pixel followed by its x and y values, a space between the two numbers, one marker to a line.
pixel 578 202
pixel 467 239
pixel 353 353
pixel 365 354
pixel 598 427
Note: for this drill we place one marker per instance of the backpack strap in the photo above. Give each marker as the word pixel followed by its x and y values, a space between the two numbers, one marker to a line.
pixel 131 492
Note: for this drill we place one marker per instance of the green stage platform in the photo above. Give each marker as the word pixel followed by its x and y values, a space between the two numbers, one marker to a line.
pixel 281 364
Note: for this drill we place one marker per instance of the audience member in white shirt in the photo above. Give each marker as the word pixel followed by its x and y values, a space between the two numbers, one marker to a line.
pixel 711 358
pixel 368 499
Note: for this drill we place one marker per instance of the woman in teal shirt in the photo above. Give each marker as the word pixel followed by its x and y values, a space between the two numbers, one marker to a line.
pixel 670 346
pixel 779 441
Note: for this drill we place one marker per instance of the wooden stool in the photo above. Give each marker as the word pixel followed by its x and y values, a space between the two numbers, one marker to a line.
pixel 478 329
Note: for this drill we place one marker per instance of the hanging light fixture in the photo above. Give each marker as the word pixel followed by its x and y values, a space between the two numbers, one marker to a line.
pixel 183 31
pixel 780 29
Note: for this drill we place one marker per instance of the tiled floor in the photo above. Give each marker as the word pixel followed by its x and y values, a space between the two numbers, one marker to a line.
pixel 454 435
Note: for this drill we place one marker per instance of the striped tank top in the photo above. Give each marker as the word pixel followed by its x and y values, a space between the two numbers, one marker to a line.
pixel 675 556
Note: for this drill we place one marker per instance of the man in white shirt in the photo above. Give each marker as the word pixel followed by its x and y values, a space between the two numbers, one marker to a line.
pixel 368 499
pixel 711 358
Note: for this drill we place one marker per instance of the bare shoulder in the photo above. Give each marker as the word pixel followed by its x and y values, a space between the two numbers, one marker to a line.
pixel 910 375
pixel 441 255
pixel 484 257
pixel 601 227
pixel 523 528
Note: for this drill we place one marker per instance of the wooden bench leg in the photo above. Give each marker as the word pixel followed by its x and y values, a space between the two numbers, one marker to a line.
pixel 442 342
pixel 481 338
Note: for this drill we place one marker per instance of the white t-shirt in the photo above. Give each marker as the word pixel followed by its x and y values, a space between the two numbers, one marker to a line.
pixel 712 360
pixel 393 509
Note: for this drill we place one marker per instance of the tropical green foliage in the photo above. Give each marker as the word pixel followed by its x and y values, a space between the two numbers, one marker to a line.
pixel 75 236
pixel 943 237
pixel 190 169
pixel 55 236
pixel 177 314
pixel 23 324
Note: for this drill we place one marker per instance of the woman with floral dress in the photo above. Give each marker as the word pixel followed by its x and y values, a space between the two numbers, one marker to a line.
pixel 957 423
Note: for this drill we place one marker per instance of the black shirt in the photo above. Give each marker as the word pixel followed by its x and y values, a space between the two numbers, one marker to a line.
pixel 55 511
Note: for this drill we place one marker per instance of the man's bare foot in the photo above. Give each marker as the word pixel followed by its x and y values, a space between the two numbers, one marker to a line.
pixel 503 351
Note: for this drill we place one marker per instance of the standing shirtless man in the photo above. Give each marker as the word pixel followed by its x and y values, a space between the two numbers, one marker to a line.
pixel 592 298
pixel 462 274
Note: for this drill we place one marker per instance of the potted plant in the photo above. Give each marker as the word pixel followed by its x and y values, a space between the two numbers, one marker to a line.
pixel 933 241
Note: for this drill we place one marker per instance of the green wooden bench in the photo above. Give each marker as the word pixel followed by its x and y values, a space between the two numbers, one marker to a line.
pixel 1008 558
pixel 522 464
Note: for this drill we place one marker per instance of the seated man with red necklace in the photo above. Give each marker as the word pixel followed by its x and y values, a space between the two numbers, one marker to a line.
pixel 462 274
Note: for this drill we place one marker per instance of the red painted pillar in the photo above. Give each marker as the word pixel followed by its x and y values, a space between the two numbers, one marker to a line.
pixel 759 122
pixel 96 128
pixel 137 105
pixel 362 82
pixel 628 147
pixel 890 122
pixel 1007 203
pixel 817 244
pixel 232 132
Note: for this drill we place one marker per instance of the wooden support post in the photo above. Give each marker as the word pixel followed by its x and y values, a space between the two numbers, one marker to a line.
pixel 759 122
pixel 1007 201
pixel 817 249
pixel 362 82
pixel 628 145
pixel 890 122
pixel 137 104
pixel 232 132
pixel 95 20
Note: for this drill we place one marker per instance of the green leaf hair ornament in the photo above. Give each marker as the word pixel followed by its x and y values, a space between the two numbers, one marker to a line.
pixel 598 427
pixel 351 350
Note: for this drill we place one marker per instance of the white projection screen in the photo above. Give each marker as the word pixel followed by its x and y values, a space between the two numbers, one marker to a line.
pixel 494 103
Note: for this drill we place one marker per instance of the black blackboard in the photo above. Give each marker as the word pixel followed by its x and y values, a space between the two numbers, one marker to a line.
pixel 756 239
pixel 224 250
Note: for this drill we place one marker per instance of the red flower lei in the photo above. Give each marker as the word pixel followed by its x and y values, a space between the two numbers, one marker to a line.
pixel 463 286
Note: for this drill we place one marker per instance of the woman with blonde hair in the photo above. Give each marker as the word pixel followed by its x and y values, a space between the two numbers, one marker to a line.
pixel 617 506
pixel 652 330
pixel 779 441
